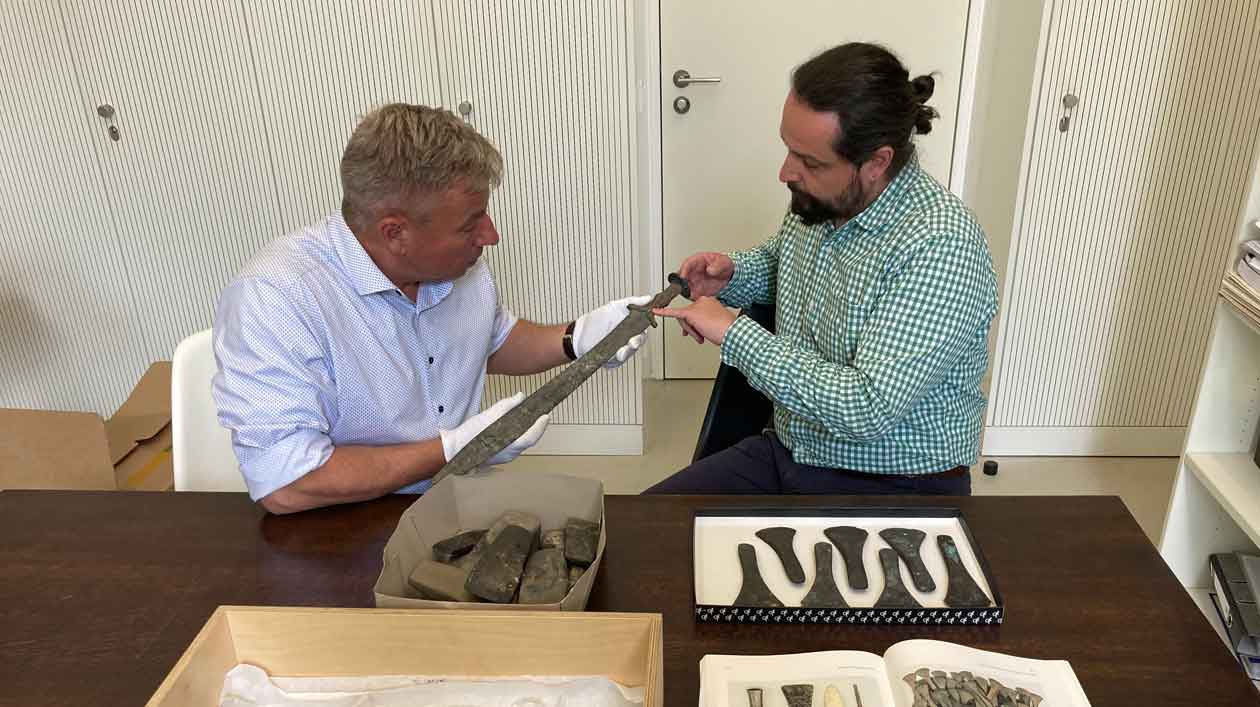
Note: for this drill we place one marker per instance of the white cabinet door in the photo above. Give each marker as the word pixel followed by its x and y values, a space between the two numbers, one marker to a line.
pixel 1139 148
pixel 66 335
pixel 551 84
pixel 322 65
pixel 720 159
pixel 189 178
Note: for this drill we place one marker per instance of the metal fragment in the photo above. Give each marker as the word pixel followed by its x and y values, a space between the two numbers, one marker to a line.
pixel 581 541
pixel 780 540
pixel 753 591
pixel 907 541
pixel 824 594
pixel 963 591
pixel 546 578
pixel 439 582
pixel 895 595
pixel 798 695
pixel 456 546
pixel 505 430
pixel 498 573
pixel 850 541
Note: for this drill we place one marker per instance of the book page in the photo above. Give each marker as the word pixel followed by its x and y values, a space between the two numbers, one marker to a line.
pixel 859 679
pixel 1052 680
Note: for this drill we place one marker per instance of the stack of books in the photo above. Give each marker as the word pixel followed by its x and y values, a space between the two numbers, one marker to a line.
pixel 1241 286
pixel 1234 578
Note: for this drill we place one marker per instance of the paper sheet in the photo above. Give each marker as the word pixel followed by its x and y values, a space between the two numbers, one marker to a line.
pixel 250 686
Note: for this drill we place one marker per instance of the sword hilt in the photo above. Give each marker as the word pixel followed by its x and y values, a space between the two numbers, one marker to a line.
pixel 676 279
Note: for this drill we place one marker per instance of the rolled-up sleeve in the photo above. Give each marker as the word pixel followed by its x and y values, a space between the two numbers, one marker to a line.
pixel 274 386
pixel 504 320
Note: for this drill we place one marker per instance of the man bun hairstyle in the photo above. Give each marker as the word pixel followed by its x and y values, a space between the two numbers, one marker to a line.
pixel 922 87
pixel 872 94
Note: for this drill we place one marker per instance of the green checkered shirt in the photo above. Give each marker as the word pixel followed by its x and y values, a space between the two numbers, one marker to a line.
pixel 882 328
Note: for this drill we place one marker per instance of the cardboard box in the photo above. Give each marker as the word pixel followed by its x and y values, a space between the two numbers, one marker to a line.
pixel 472 502
pixel 43 449
pixel 139 434
pixel 291 642
pixel 54 450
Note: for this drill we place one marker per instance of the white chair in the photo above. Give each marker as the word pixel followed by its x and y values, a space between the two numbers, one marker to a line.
pixel 202 448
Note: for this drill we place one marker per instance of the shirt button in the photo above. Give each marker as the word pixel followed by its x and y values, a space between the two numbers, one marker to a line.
pixel 441 409
pixel 430 360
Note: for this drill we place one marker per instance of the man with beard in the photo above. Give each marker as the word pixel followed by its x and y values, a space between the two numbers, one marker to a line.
pixel 884 289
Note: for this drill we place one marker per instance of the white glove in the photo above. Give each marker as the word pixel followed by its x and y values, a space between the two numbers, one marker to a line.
pixel 454 440
pixel 595 325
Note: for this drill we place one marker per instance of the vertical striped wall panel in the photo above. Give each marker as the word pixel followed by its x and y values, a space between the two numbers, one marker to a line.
pixel 1128 216
pixel 67 332
pixel 322 65
pixel 189 183
pixel 233 117
pixel 551 83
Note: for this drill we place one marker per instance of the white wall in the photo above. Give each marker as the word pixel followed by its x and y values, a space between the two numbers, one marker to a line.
pixel 1008 51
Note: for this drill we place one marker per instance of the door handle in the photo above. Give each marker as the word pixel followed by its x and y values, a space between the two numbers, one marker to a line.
pixel 1070 101
pixel 683 79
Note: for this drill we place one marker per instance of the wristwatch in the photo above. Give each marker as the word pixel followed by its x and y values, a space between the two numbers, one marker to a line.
pixel 567 341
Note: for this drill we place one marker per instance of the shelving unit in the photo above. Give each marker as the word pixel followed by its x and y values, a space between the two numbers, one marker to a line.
pixel 1215 503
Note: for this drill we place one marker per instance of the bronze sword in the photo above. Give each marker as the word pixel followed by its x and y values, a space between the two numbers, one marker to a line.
pixel 518 420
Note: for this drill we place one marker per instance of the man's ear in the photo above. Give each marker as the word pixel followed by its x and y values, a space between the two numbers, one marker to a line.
pixel 393 233
pixel 875 168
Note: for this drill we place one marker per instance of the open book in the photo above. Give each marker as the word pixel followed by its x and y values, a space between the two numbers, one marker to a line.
pixel 910 674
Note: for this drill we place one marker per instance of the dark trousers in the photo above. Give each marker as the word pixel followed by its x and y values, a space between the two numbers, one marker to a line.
pixel 762 465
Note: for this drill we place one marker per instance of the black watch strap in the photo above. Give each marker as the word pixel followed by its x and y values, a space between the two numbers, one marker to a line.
pixel 567 341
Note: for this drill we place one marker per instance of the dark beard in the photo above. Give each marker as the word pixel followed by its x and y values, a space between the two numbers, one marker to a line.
pixel 814 211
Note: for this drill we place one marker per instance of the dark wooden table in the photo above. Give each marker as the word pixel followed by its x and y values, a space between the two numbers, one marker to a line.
pixel 100 593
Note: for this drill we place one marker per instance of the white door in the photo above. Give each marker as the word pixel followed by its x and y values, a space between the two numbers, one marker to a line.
pixel 59 258
pixel 721 159
pixel 189 177
pixel 1135 171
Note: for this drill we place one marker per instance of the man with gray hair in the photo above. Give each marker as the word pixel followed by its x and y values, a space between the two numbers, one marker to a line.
pixel 352 354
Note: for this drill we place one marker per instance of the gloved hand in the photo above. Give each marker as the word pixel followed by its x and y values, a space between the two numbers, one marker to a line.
pixel 595 325
pixel 454 440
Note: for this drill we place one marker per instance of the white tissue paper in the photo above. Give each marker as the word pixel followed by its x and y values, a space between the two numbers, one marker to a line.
pixel 250 686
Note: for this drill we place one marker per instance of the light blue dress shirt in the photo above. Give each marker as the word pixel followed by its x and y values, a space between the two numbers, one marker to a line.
pixel 316 348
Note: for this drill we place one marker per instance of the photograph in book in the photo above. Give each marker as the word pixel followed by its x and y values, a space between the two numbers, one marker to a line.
pixel 915 673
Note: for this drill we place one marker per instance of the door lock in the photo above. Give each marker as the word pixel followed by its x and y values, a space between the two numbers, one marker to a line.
pixel 681 105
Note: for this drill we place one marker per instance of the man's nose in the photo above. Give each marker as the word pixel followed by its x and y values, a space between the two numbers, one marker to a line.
pixel 787 173
pixel 488 235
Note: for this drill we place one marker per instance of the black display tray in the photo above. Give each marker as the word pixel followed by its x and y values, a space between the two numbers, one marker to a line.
pixel 930 616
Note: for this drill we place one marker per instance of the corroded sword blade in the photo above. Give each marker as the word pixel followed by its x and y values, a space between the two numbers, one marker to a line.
pixel 519 419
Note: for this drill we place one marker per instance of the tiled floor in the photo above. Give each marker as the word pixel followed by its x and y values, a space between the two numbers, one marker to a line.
pixel 674 409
